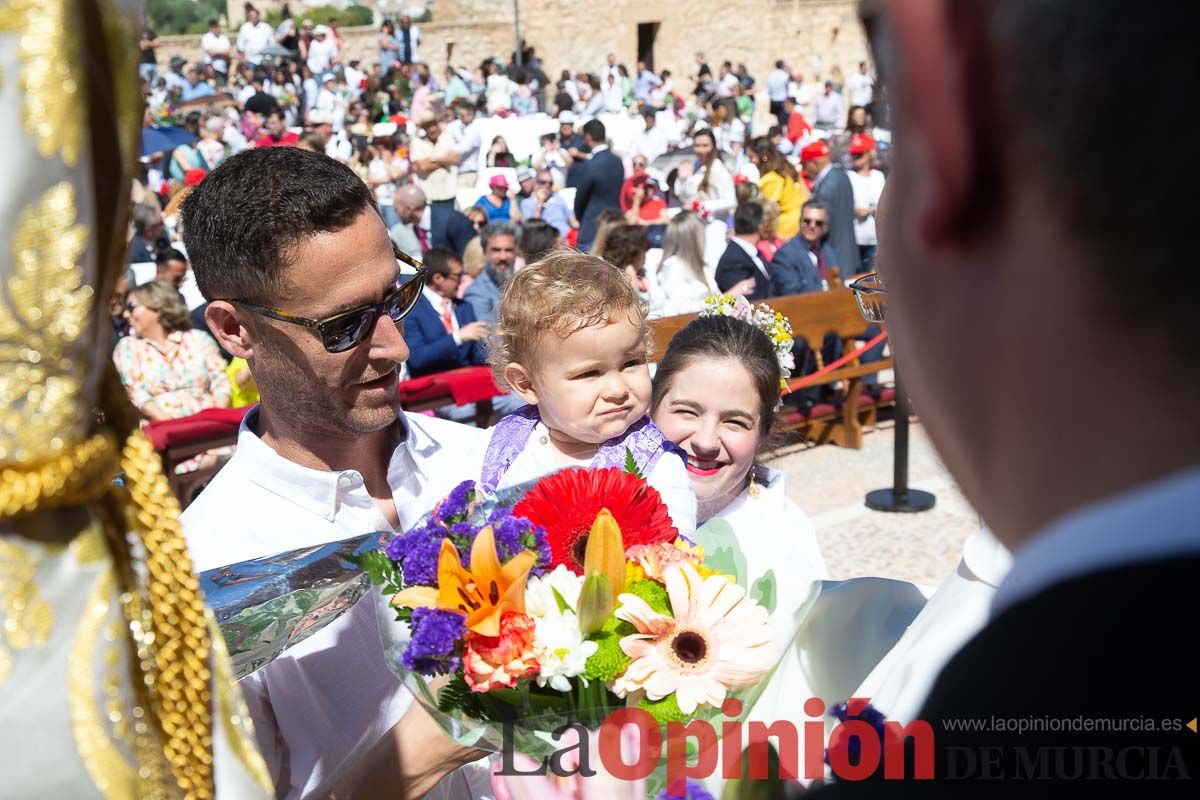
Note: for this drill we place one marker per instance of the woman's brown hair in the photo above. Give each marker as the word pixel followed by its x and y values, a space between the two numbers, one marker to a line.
pixel 164 298
pixel 712 338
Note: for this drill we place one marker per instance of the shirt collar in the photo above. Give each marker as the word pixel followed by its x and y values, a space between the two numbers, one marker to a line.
pixel 599 148
pixel 435 299
pixel 749 249
pixel 316 490
pixel 1145 524
pixel 427 218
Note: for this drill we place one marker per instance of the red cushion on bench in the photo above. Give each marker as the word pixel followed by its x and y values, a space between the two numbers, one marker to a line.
pixel 883 397
pixel 208 423
pixel 793 417
pixel 457 386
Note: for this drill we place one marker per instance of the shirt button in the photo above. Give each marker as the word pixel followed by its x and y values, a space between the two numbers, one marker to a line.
pixel 344 481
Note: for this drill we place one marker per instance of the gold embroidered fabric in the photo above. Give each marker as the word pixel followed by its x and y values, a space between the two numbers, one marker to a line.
pixel 112 684
pixel 49 51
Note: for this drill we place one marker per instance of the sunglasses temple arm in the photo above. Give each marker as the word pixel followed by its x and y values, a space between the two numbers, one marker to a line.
pixel 407 259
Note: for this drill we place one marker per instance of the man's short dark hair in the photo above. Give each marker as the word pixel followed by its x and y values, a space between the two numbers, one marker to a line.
pixel 779 64
pixel 747 218
pixel 212 22
pixel 241 223
pixel 500 227
pixel 437 260
pixel 538 238
pixel 169 255
pixel 594 128
pixel 816 205
pixel 1062 130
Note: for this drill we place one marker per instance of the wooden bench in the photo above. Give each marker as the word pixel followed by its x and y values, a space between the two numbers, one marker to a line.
pixel 813 315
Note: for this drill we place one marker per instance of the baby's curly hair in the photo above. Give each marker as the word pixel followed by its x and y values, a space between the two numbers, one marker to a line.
pixel 564 292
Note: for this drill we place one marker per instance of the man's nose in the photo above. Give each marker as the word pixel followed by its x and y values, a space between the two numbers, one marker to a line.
pixel 387 340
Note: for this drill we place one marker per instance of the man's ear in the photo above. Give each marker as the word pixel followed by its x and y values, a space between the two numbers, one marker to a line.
pixel 941 88
pixel 521 382
pixel 224 321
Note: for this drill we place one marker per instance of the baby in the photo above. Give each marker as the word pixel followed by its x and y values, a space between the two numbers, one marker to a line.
pixel 572 342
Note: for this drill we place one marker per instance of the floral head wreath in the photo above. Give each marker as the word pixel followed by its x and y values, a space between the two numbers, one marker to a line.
pixel 763 317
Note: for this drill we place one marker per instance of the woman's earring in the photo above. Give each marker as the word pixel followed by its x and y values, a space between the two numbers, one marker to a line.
pixel 753 489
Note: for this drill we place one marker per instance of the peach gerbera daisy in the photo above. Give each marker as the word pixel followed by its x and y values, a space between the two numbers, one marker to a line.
pixel 719 639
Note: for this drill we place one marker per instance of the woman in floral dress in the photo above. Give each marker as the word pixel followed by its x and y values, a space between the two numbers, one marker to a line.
pixel 168 369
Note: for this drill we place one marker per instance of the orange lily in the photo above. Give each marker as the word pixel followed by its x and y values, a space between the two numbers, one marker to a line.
pixel 483 593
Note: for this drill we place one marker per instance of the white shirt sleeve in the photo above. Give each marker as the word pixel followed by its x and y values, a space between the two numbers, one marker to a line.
pixel 669 476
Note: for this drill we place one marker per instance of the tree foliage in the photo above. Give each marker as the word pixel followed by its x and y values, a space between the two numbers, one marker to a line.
pixel 346 17
pixel 182 16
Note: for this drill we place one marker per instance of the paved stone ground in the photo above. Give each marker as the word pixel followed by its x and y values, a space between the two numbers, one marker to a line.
pixel 829 484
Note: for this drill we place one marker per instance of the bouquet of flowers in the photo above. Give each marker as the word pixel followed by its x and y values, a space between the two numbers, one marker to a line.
pixel 558 603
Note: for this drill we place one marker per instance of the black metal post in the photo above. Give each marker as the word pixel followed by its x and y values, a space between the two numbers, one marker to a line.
pixel 900 497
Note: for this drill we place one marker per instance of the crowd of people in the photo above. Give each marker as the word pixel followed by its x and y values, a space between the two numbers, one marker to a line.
pixel 704 197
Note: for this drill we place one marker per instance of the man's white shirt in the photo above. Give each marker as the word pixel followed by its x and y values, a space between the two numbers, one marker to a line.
pixel 216 43
pixel 332 695
pixel 253 39
pixel 859 87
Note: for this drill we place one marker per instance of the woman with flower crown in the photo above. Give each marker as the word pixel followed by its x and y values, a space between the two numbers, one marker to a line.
pixel 715 395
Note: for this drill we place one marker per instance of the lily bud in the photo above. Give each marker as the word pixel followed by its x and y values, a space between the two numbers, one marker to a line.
pixel 595 603
pixel 605 552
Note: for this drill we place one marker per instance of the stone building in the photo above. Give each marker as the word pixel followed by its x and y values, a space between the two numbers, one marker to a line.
pixel 820 37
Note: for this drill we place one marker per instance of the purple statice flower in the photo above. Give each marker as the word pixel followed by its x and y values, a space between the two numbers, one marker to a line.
pixel 457 505
pixel 514 534
pixel 692 790
pixel 416 552
pixel 868 714
pixel 433 649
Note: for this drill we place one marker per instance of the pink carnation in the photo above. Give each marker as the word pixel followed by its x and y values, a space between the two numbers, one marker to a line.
pixel 490 662
pixel 655 558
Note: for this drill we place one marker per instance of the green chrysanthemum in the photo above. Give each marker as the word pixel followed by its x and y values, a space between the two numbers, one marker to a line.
pixel 664 711
pixel 610 660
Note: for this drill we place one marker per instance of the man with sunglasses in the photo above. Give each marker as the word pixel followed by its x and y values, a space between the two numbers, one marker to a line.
pixel 802 264
pixel 1047 349
pixel 831 185
pixel 302 282
pixel 548 205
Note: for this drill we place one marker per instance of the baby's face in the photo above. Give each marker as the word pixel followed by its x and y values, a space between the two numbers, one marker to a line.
pixel 594 384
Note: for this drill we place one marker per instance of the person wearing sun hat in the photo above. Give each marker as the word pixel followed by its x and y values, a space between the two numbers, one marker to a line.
pixel 322 51
pixel 867 183
pixel 498 202
pixel 831 186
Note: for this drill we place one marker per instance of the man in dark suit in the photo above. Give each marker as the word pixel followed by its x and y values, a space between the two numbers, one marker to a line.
pixel 740 270
pixel 991 246
pixel 599 182
pixel 832 186
pixel 802 264
pixel 442 333
pixel 434 225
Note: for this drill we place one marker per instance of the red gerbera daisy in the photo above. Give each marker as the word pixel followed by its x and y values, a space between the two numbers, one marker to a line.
pixel 567 502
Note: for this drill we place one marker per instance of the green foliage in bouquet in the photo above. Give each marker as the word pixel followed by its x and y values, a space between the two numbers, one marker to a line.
pixel 610 660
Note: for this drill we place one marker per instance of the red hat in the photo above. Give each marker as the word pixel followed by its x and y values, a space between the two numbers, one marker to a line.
pixel 861 143
pixel 193 177
pixel 812 152
pixel 498 181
